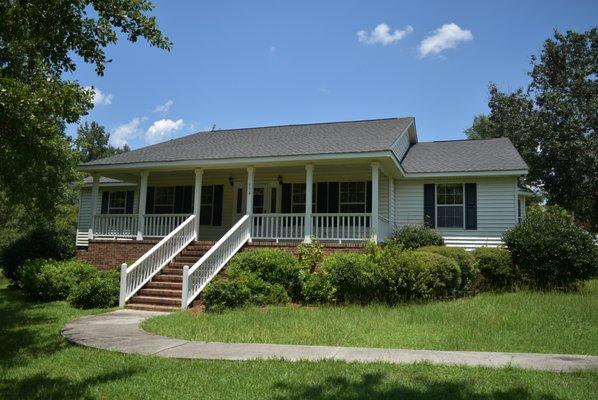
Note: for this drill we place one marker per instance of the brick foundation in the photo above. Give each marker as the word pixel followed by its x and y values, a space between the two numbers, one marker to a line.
pixel 106 254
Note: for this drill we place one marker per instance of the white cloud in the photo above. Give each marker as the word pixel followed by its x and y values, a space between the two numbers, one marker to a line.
pixel 448 36
pixel 162 129
pixel 100 98
pixel 164 108
pixel 125 132
pixel 383 35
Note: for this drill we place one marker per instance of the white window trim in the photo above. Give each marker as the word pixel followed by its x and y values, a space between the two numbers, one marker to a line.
pixel 365 202
pixel 436 204
pixel 110 208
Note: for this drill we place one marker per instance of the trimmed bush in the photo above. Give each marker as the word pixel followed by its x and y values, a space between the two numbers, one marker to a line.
pixel 244 289
pixel 415 236
pixel 271 265
pixel 48 280
pixel 44 242
pixel 353 276
pixel 550 251
pixel 317 289
pixel 465 260
pixel 310 255
pixel 496 269
pixel 99 291
pixel 417 275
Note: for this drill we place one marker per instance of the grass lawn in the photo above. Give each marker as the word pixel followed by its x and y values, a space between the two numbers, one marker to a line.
pixel 514 322
pixel 36 363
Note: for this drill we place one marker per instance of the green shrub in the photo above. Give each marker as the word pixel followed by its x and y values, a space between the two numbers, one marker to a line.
pixel 45 241
pixel 271 265
pixel 374 250
pixel 48 280
pixel 465 260
pixel 417 275
pixel 99 291
pixel 496 269
pixel 310 255
pixel 353 276
pixel 242 290
pixel 415 236
pixel 317 289
pixel 550 251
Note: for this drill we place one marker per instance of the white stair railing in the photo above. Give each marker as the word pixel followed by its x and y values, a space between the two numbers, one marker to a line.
pixel 143 270
pixel 203 271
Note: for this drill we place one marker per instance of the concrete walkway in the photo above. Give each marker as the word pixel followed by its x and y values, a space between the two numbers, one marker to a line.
pixel 120 331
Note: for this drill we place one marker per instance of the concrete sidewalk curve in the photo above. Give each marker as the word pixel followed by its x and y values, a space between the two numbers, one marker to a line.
pixel 120 331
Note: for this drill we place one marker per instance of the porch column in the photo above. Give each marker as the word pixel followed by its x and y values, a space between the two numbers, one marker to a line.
pixel 391 202
pixel 197 199
pixel 249 202
pixel 95 188
pixel 374 224
pixel 142 201
pixel 309 184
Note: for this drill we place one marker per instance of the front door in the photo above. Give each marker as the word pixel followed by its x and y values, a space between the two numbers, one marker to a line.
pixel 260 200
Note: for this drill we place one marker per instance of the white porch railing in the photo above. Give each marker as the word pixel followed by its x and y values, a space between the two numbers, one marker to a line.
pixel 141 271
pixel 342 226
pixel 278 226
pixel 115 225
pixel 160 225
pixel 384 228
pixel 208 266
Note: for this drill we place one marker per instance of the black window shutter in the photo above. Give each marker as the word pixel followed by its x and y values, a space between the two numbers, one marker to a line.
pixel 471 206
pixel 149 200
pixel 285 205
pixel 129 204
pixel 273 200
pixel 322 197
pixel 179 192
pixel 104 209
pixel 217 213
pixel 333 197
pixel 188 200
pixel 429 205
pixel 368 204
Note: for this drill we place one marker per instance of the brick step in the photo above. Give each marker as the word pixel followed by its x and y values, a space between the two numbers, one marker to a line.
pixel 161 301
pixel 177 294
pixel 172 271
pixel 168 278
pixel 152 307
pixel 193 253
pixel 186 259
pixel 164 285
pixel 178 264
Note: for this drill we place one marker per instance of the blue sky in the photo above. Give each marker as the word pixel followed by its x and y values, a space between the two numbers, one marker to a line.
pixel 244 64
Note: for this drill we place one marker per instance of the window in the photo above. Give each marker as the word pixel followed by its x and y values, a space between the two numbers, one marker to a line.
pixel 352 197
pixel 449 206
pixel 298 198
pixel 164 200
pixel 117 202
pixel 207 205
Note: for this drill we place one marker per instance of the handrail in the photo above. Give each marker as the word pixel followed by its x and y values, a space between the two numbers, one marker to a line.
pixel 208 266
pixel 143 270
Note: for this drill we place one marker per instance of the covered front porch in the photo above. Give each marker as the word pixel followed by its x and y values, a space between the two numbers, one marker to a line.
pixel 328 201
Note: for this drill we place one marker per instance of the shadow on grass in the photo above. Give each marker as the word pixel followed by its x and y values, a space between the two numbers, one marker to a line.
pixel 379 386
pixel 40 386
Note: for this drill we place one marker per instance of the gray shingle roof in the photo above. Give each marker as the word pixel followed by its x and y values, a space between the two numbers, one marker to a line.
pixel 309 139
pixel 463 156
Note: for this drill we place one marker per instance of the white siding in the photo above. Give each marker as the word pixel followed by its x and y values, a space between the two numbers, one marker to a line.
pixel 402 145
pixel 383 195
pixel 495 204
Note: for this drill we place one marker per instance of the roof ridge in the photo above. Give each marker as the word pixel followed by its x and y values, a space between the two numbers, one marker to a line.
pixel 464 140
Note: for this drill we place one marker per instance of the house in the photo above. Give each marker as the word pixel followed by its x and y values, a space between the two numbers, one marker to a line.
pixel 189 204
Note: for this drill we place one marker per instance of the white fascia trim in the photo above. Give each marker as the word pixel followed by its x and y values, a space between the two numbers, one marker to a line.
pixel 514 172
pixel 235 162
pixel 113 184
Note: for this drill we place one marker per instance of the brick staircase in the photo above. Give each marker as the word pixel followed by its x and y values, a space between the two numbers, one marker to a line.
pixel 164 291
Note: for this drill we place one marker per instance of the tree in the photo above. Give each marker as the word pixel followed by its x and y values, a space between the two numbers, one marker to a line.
pixel 38 40
pixel 553 124
pixel 92 142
